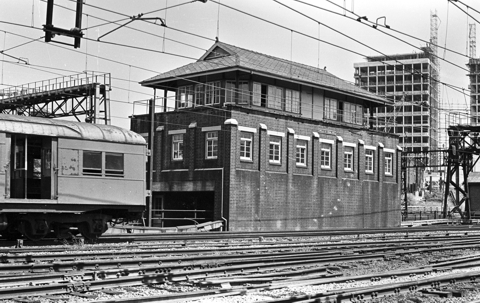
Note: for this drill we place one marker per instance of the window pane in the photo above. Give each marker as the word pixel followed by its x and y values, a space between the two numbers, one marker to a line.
pixel 177 147
pixel 114 164
pixel 92 162
pixel 211 145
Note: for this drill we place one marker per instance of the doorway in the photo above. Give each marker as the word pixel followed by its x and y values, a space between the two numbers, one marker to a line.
pixel 31 169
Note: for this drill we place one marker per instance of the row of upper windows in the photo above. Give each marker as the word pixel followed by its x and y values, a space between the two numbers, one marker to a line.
pixel 275 148
pixel 259 94
pixel 263 95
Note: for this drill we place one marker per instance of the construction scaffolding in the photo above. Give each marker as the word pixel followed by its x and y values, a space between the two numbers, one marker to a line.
pixel 86 94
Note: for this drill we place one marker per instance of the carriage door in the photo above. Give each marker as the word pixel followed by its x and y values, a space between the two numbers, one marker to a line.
pixel 31 175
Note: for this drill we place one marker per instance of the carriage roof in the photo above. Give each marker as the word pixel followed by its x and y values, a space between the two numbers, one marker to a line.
pixel 67 129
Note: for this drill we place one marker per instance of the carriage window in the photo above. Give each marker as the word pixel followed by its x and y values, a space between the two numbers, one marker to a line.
pixel 20 153
pixel 113 165
pixel 92 163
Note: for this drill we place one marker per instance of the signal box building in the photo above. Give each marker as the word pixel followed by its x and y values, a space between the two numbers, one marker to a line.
pixel 266 144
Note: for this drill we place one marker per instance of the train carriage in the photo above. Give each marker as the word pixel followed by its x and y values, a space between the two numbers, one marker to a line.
pixel 67 177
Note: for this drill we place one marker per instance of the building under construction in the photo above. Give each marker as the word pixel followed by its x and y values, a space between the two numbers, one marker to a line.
pixel 411 81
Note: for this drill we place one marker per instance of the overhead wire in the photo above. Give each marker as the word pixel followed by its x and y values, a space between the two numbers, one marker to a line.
pixel 188 57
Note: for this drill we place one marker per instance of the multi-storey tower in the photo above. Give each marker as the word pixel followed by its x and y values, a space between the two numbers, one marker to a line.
pixel 474 75
pixel 411 81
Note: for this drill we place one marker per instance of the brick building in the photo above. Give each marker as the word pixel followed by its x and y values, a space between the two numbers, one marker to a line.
pixel 264 143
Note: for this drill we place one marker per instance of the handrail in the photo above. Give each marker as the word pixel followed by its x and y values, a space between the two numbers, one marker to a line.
pixel 59 83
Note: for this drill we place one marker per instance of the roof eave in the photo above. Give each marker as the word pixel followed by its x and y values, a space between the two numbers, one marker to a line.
pixel 154 83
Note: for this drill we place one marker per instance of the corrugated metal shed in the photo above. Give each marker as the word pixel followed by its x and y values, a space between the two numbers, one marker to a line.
pixel 67 129
pixel 224 56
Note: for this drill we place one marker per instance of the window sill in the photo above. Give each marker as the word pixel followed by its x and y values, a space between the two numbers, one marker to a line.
pixel 325 168
pixel 388 175
pixel 369 173
pixel 301 165
pixel 275 163
pixel 215 158
pixel 177 160
pixel 347 170
pixel 246 160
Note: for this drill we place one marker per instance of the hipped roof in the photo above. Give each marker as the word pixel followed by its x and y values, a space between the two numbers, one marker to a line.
pixel 223 57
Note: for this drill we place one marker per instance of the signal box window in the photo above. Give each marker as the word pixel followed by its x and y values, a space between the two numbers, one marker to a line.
pixel 274 149
pixel 369 161
pixel 113 165
pixel 246 146
pixel 92 163
pixel 301 153
pixel 326 156
pixel 177 147
pixel 388 164
pixel 211 145
pixel 348 159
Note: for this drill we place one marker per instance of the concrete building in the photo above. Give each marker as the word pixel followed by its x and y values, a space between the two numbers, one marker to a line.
pixel 474 75
pixel 264 143
pixel 411 82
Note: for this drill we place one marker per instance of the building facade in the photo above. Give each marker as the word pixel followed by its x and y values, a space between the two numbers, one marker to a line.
pixel 264 143
pixel 411 82
pixel 474 75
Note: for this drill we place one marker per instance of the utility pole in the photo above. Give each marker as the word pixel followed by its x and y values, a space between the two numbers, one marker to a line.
pixel 150 144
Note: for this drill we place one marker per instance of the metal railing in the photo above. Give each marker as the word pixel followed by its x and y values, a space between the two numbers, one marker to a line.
pixel 55 84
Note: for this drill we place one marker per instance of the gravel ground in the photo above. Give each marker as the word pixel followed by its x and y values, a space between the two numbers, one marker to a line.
pixel 347 269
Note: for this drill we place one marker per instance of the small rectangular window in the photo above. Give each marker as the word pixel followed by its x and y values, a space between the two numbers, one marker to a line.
pixel 211 145
pixel 230 91
pixel 330 109
pixel 257 94
pixel 199 95
pixel 177 147
pixel 388 163
pixel 274 150
pixel 185 96
pixel 348 158
pixel 301 153
pixel 212 93
pixel 326 155
pixel 275 97
pixel 114 165
pixel 92 163
pixel 243 92
pixel 246 142
pixel 369 153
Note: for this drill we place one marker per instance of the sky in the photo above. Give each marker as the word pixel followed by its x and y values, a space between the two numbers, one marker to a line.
pixel 323 34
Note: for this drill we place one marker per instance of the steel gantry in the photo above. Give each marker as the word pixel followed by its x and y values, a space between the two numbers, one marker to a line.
pixel 86 94
pixel 464 144
pixel 460 158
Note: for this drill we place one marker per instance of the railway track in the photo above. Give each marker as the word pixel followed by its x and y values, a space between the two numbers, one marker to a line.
pixel 237 268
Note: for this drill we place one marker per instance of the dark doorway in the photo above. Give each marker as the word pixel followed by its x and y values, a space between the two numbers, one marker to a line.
pixel 182 208
pixel 31 159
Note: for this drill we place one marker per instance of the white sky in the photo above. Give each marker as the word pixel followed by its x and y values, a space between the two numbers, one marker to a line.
pixel 407 16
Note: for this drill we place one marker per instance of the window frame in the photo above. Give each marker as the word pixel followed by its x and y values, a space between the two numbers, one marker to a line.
pixel 211 145
pixel 230 90
pixel 212 93
pixel 275 150
pixel 114 172
pixel 104 170
pixel 388 164
pixel 177 147
pixel 369 161
pixel 246 146
pixel 325 155
pixel 348 159
pixel 301 152
pixel 187 92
